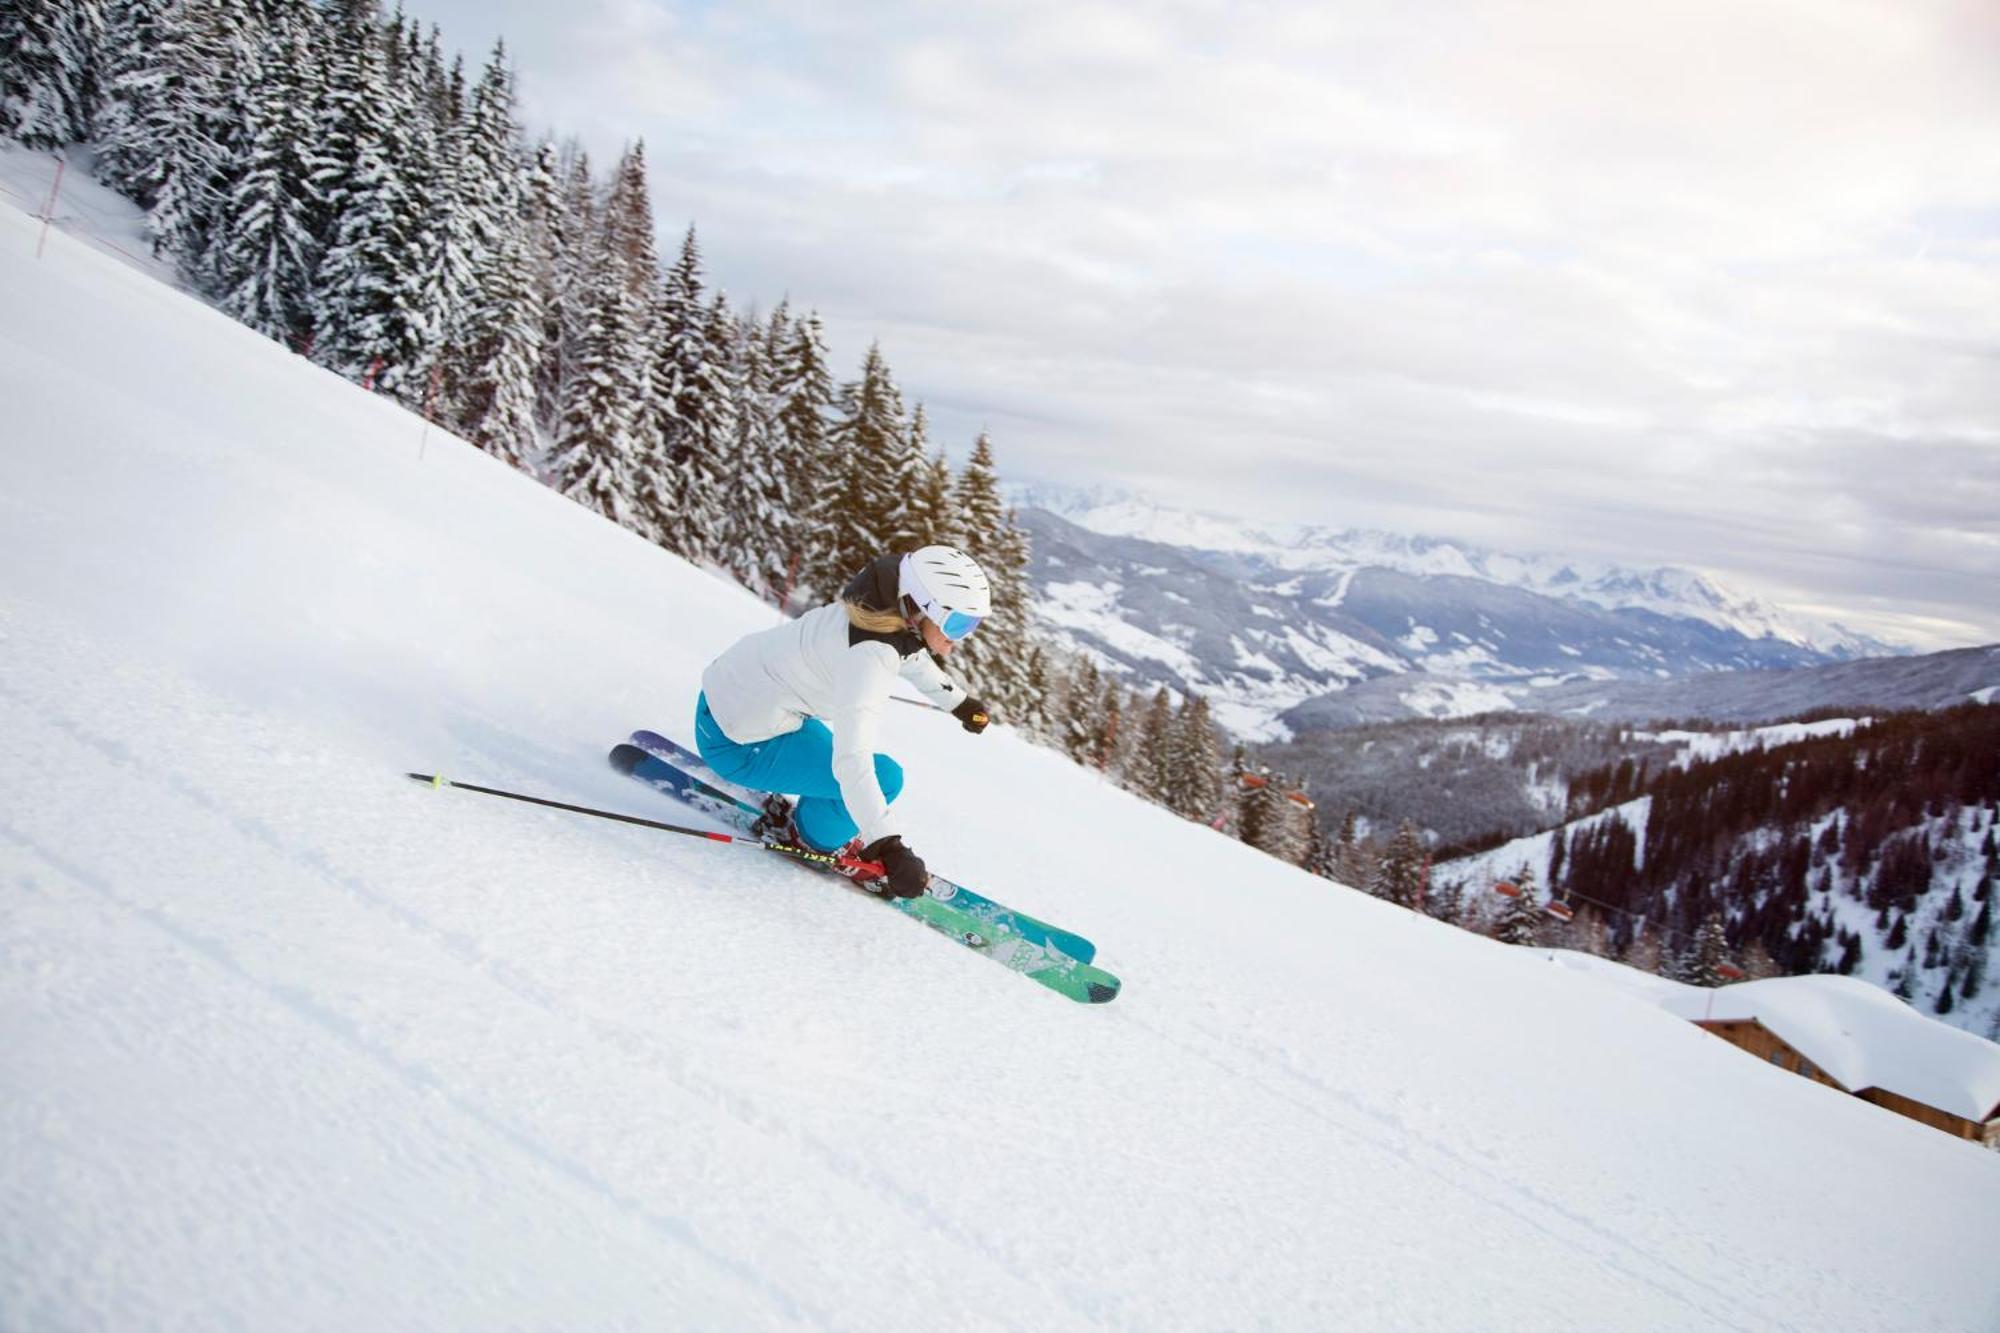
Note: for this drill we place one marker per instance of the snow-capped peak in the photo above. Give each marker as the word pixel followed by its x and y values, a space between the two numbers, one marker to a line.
pixel 1665 590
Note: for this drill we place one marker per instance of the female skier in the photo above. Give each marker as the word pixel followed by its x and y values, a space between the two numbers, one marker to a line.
pixel 795 709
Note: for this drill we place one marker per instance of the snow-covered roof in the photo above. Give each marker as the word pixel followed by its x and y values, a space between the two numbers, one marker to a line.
pixel 1857 1033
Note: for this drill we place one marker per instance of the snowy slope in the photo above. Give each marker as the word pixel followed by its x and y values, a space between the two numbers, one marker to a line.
pixel 289 1041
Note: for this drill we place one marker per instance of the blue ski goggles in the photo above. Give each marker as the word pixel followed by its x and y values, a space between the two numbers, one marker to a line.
pixel 956 625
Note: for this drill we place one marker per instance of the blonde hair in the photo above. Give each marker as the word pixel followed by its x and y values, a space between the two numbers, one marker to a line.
pixel 874 622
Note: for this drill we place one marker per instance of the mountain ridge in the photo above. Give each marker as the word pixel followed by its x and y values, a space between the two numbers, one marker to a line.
pixel 1264 632
pixel 1665 589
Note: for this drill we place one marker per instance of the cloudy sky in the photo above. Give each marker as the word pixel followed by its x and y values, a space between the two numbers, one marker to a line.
pixel 1714 283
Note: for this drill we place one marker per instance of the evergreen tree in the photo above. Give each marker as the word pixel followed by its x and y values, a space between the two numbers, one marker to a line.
pixel 372 319
pixel 1521 916
pixel 441 198
pixel 859 508
pixel 268 252
pixel 757 502
pixel 1906 976
pixel 1152 775
pixel 1319 850
pixel 204 114
pixel 1401 873
pixel 931 507
pixel 1850 956
pixel 1196 788
pixel 1708 954
pixel 718 434
pixel 607 454
pixel 687 499
pixel 1033 715
pixel 561 262
pixel 49 64
pixel 1350 862
pixel 141 113
pixel 1445 901
pixel 1110 729
pixel 493 337
pixel 996 657
pixel 495 374
pixel 804 390
pixel 1082 732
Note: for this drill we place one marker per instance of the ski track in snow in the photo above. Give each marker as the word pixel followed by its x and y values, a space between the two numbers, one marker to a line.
pixel 1519 1202
pixel 137 773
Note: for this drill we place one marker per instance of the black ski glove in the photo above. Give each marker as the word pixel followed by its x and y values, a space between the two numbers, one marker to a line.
pixel 907 876
pixel 972 715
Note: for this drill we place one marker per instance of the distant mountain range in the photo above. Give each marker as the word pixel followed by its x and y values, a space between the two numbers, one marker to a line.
pixel 1288 629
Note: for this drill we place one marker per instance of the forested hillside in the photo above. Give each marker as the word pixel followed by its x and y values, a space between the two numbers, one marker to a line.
pixel 1873 854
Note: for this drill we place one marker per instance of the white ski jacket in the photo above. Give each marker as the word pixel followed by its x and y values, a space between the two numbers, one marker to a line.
pixel 820 666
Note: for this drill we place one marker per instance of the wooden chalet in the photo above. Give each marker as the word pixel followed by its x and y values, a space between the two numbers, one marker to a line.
pixel 1751 1035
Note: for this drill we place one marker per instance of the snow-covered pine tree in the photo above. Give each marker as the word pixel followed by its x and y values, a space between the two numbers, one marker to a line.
pixel 137 121
pixel 191 103
pixel 1152 775
pixel 803 386
pixel 561 274
pixel 489 220
pixel 606 443
pixel 1082 731
pixel 1112 733
pixel 50 65
pixel 997 656
pixel 868 444
pixel 1400 875
pixel 1257 798
pixel 757 503
pixel 1350 858
pixel 1520 916
pixel 714 470
pixel 494 374
pixel 1195 788
pixel 931 504
pixel 1319 849
pixel 1444 901
pixel 1285 831
pixel 267 251
pixel 690 411
pixel 1034 715
pixel 436 226
pixel 372 319
pixel 919 519
pixel 1707 953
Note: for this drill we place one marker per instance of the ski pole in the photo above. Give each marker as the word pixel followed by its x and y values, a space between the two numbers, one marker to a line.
pixel 440 782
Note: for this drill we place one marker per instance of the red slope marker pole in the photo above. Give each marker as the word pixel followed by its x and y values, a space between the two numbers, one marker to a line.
pixel 49 213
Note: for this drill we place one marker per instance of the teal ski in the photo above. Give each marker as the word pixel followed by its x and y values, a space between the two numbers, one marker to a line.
pixel 739 810
pixel 993 935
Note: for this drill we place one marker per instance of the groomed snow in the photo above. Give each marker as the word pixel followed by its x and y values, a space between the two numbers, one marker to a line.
pixel 288 1041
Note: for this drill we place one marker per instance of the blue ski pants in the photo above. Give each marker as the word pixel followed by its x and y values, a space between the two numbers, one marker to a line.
pixel 798 763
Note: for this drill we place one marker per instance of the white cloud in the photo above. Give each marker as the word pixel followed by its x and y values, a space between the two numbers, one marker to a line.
pixel 1703 282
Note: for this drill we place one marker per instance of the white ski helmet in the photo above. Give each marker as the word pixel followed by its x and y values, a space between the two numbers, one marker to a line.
pixel 948 586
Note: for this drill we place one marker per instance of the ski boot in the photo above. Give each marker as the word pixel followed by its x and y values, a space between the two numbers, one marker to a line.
pixel 777 823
